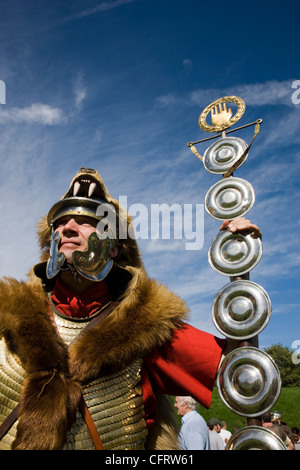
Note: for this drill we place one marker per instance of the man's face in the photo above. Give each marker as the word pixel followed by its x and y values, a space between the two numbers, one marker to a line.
pixel 74 232
pixel 181 409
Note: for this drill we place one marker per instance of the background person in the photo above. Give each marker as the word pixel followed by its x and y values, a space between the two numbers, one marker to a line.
pixel 296 433
pixel 215 440
pixel 277 429
pixel 266 420
pixel 224 433
pixel 276 419
pixel 194 433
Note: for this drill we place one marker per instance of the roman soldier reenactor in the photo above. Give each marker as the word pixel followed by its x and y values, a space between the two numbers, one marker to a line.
pixel 91 347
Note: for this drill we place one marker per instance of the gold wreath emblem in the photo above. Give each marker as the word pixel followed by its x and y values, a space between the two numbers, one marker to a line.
pixel 221 117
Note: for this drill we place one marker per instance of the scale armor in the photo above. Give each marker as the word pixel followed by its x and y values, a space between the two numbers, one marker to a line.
pixel 115 401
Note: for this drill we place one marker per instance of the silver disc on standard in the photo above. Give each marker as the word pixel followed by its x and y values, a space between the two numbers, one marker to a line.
pixel 223 154
pixel 234 254
pixel 241 309
pixel 249 381
pixel 255 438
pixel 229 198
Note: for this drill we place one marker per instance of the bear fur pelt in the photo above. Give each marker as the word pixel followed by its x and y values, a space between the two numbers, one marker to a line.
pixel 144 319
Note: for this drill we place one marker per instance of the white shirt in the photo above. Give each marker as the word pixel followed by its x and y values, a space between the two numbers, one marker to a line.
pixel 225 435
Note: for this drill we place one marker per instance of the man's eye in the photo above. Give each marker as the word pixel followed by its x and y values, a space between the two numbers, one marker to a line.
pixel 84 222
pixel 61 223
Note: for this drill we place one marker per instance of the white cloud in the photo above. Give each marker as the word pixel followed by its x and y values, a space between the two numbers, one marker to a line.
pixel 187 65
pixel 80 91
pixel 80 94
pixel 98 8
pixel 285 129
pixel 167 100
pixel 97 138
pixel 260 94
pixel 268 93
pixel 272 93
pixel 36 113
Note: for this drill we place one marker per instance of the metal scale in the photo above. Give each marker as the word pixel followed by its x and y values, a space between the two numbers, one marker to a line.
pixel 248 381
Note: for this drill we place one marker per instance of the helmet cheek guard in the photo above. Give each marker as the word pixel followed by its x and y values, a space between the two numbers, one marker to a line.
pixel 56 260
pixel 95 263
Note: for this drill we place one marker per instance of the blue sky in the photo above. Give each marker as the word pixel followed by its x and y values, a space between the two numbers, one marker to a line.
pixel 118 86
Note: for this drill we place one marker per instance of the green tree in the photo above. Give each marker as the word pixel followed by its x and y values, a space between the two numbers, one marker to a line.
pixel 289 370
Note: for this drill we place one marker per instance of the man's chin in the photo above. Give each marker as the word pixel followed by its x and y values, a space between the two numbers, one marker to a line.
pixel 68 252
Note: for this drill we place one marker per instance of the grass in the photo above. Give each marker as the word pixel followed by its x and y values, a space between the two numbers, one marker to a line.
pixel 287 405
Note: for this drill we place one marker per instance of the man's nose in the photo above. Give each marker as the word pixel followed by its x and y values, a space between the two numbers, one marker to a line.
pixel 70 227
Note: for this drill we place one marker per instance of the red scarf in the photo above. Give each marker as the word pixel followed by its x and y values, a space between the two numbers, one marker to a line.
pixel 85 304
